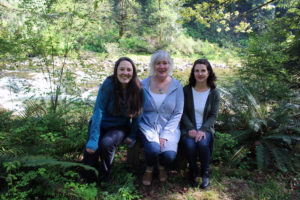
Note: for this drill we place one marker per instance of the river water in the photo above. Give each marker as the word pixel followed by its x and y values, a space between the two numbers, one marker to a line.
pixel 17 86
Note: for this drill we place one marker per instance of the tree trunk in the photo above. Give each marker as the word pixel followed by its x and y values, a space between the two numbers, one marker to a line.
pixel 160 28
pixel 121 18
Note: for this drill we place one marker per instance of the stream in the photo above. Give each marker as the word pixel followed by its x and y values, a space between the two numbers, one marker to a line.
pixel 17 86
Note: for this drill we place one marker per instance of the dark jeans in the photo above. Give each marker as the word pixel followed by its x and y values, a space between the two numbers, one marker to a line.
pixel 201 149
pixel 153 153
pixel 108 142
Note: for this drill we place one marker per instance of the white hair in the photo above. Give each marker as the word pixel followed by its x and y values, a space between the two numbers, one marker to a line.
pixel 158 56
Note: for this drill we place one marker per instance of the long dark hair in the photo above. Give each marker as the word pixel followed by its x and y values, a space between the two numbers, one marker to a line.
pixel 134 93
pixel 211 77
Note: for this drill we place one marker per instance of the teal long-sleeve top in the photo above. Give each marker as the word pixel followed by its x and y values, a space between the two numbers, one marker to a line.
pixel 103 115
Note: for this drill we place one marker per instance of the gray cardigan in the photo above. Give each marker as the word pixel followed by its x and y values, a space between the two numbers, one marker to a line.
pixel 163 122
pixel 210 115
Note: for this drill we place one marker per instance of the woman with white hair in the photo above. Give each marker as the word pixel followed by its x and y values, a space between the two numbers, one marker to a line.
pixel 159 125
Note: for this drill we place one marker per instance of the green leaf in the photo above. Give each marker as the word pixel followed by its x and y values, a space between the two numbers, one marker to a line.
pixel 259 156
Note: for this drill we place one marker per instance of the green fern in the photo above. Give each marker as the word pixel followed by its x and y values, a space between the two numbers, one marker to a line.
pixel 276 126
pixel 240 153
pixel 260 156
pixel 32 109
pixel 38 161
pixel 280 156
pixel 284 138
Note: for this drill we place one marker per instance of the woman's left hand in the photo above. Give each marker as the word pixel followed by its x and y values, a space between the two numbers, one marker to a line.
pixel 199 136
pixel 162 142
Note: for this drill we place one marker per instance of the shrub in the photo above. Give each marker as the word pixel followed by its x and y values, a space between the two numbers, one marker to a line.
pixel 269 132
pixel 264 72
pixel 124 187
pixel 134 44
pixel 183 45
pixel 113 49
pixel 270 189
pixel 224 147
pixel 39 177
pixel 5 120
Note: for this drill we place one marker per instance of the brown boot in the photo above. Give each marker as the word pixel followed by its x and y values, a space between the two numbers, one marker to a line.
pixel 147 178
pixel 162 173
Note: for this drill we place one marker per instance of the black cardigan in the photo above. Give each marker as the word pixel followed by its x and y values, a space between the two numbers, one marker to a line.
pixel 210 115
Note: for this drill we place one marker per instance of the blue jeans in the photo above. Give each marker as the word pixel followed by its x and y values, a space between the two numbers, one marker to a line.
pixel 108 142
pixel 153 153
pixel 194 149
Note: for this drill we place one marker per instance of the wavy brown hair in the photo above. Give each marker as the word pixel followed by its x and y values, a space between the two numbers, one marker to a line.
pixel 211 77
pixel 133 101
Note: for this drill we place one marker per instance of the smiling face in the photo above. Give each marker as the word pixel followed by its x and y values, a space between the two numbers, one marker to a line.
pixel 124 72
pixel 201 73
pixel 161 68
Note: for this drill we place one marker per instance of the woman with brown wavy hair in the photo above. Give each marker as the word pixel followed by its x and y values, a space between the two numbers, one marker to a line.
pixel 116 116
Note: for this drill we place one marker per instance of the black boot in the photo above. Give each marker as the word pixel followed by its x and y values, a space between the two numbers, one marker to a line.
pixel 205 180
pixel 192 176
pixel 105 178
pixel 88 176
pixel 104 175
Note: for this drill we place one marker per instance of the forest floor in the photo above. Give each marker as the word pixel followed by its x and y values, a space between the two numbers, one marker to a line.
pixel 223 187
pixel 226 184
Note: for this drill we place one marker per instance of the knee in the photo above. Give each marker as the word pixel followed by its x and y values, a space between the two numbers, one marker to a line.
pixel 152 151
pixel 90 159
pixel 203 144
pixel 187 141
pixel 189 144
pixel 168 157
pixel 152 148
pixel 106 143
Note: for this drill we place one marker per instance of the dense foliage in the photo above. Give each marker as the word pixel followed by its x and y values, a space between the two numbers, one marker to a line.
pixel 258 125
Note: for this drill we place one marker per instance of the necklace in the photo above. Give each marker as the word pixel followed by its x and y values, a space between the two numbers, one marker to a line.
pixel 160 91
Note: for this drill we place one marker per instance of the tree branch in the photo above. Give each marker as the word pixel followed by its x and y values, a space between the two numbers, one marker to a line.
pixel 254 9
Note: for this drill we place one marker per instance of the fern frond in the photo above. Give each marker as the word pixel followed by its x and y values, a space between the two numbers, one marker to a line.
pixel 241 135
pixel 224 92
pixel 230 99
pixel 259 156
pixel 32 109
pixel 296 115
pixel 257 124
pixel 281 156
pixel 284 138
pixel 257 111
pixel 293 129
pixel 38 161
pixel 267 157
pixel 238 153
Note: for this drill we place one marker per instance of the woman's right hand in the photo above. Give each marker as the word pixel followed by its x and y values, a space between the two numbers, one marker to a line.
pixel 200 135
pixel 162 142
pixel 192 133
pixel 90 151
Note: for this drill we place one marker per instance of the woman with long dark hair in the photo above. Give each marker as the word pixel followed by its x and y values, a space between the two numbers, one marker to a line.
pixel 116 115
pixel 201 107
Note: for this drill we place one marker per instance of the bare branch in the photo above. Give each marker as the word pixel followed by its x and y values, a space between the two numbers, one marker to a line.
pixel 254 9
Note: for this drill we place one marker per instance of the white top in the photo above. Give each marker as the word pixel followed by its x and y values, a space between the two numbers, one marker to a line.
pixel 158 98
pixel 199 105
